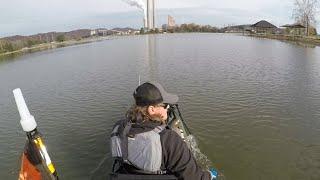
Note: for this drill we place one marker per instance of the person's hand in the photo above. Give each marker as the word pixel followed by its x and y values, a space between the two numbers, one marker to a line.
pixel 213 173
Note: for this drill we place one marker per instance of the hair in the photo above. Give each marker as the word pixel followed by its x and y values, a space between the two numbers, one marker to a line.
pixel 138 114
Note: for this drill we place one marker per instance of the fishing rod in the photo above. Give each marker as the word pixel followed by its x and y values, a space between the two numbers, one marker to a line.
pixel 178 124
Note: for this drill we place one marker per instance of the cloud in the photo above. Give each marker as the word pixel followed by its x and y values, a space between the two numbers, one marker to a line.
pixel 61 15
pixel 227 16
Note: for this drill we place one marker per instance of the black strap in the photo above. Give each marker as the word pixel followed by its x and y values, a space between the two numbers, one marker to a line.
pixel 131 169
pixel 124 142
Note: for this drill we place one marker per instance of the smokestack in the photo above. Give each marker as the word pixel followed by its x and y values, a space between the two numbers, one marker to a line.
pixel 153 15
pixel 150 14
pixel 144 22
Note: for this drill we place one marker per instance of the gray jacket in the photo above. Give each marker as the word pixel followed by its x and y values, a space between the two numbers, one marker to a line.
pixel 176 156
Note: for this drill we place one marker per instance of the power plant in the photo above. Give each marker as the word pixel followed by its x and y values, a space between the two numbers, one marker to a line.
pixel 148 8
pixel 149 19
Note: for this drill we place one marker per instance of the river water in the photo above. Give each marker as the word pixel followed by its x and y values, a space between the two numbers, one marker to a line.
pixel 253 104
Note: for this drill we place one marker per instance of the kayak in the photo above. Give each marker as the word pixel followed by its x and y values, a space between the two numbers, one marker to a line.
pixel 35 160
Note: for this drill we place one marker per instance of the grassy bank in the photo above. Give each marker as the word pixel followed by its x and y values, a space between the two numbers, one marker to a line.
pixel 314 40
pixel 51 45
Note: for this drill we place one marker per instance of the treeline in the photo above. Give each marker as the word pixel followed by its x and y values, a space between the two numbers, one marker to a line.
pixel 9 46
pixel 14 44
pixel 193 28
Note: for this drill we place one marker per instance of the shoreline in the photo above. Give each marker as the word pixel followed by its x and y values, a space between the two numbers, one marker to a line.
pixel 53 45
pixel 311 40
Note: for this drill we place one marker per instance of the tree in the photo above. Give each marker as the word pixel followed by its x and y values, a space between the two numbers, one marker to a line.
pixel 312 31
pixel 60 38
pixel 305 12
pixel 30 42
pixel 151 31
pixel 8 47
pixel 142 31
pixel 1 46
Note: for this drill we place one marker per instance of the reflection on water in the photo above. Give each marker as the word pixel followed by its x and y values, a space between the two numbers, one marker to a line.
pixel 253 104
pixel 148 70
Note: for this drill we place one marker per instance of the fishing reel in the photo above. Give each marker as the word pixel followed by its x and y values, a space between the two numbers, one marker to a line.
pixel 176 122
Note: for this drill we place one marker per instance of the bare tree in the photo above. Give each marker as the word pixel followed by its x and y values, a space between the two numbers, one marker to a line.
pixel 304 12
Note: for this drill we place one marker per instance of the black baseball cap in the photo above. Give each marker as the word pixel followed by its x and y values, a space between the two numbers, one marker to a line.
pixel 152 93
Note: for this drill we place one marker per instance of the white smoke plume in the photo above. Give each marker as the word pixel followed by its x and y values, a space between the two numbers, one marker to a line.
pixel 139 4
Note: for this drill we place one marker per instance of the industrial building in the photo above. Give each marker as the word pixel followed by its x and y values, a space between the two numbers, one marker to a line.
pixel 171 22
pixel 149 22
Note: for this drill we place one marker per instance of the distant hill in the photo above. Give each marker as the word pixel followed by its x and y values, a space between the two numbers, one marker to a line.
pixel 17 42
pixel 124 29
pixel 50 36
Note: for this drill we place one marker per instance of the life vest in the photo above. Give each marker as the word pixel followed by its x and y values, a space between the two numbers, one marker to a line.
pixel 136 151
pixel 142 151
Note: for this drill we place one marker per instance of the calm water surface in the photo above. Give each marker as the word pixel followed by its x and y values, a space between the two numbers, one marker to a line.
pixel 253 104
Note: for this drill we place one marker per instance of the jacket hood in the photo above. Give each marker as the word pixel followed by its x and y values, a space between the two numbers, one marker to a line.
pixel 142 127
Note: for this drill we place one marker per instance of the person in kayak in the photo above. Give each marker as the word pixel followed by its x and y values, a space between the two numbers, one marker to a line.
pixel 151 147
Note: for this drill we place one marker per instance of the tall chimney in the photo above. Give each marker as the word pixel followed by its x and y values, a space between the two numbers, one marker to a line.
pixel 144 22
pixel 153 15
pixel 150 24
pixel 148 12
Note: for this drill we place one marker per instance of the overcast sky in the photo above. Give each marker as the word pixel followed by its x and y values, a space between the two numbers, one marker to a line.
pixel 26 17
